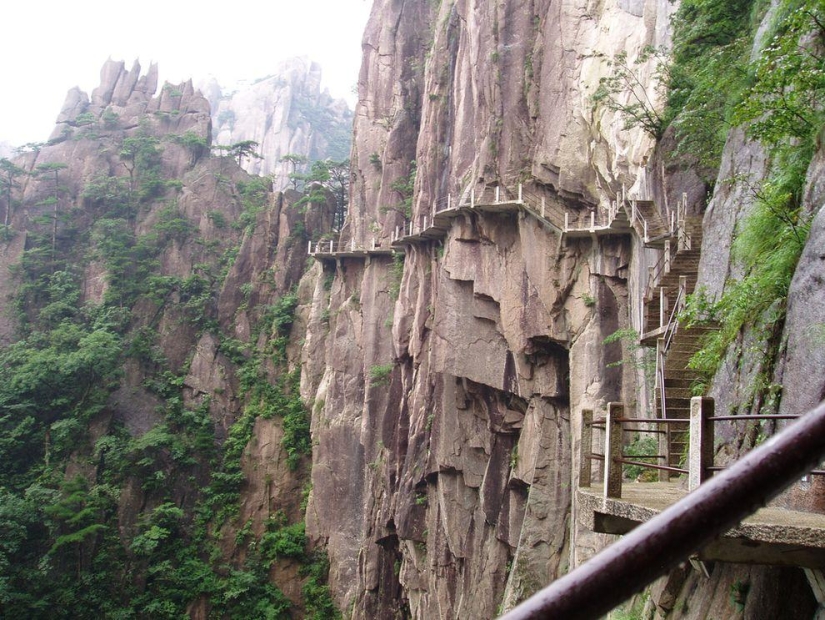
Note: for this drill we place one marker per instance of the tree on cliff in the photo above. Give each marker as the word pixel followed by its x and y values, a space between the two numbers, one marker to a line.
pixel 7 184
pixel 52 172
pixel 294 160
pixel 332 176
pixel 241 150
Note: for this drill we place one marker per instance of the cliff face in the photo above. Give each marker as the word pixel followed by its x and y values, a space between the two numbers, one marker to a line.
pixel 286 114
pixel 442 475
pixel 448 393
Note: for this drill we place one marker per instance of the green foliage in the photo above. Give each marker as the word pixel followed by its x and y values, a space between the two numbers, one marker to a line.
pixel 195 144
pixel 317 598
pixel 405 187
pixel 254 198
pixel 643 448
pixel 785 101
pixel 109 195
pixel 141 156
pixel 380 374
pixel 396 274
pixel 282 541
pixel 110 119
pixel 624 91
pixel 328 176
pixel 708 75
pixel 782 109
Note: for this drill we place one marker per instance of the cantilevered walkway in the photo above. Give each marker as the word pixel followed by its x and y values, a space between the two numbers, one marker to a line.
pixel 615 505
pixel 620 217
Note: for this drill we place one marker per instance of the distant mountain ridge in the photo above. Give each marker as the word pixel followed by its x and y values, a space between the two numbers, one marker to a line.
pixel 285 113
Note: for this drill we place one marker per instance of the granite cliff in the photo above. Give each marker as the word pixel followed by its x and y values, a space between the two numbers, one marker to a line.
pixel 400 414
pixel 448 389
pixel 286 113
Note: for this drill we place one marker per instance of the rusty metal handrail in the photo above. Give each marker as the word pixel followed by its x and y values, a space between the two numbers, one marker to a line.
pixel 655 547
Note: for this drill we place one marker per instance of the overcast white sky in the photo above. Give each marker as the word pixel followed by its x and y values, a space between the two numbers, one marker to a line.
pixel 50 46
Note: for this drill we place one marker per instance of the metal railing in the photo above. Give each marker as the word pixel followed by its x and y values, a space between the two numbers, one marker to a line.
pixel 537 205
pixel 331 246
pixel 658 545
pixel 666 340
pixel 699 456
pixel 614 458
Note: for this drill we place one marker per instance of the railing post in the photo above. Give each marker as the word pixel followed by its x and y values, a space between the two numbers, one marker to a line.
pixel 352 245
pixel 662 306
pixel 667 256
pixel 543 201
pixel 397 233
pixel 586 449
pixel 646 237
pixel 566 219
pixel 613 450
pixel 632 212
pixel 498 194
pixel 309 247
pixel 700 453
pixel 650 283
pixel 520 194
pixel 449 202
pixel 592 221
pixel 682 292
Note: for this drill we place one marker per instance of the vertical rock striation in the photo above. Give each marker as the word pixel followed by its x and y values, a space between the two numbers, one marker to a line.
pixel 442 469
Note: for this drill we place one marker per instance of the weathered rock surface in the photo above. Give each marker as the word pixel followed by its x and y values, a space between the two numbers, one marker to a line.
pixel 443 485
pixel 286 113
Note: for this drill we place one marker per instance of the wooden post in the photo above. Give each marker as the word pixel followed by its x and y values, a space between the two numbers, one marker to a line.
pixel 667 256
pixel 520 194
pixel 309 247
pixel 566 219
pixel 682 292
pixel 613 450
pixel 498 194
pixel 646 237
pixel 352 244
pixel 543 201
pixel 472 198
pixel 632 213
pixel 662 306
pixel 700 453
pixel 592 221
pixel 586 448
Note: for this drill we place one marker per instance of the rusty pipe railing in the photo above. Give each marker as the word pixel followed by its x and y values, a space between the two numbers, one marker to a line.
pixel 658 545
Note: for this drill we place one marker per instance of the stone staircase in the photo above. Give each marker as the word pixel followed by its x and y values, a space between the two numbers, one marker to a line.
pixel 675 344
pixel 684 263
pixel 644 217
pixel 679 381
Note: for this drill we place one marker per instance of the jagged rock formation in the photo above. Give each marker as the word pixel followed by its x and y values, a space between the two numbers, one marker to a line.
pixel 190 254
pixel 286 114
